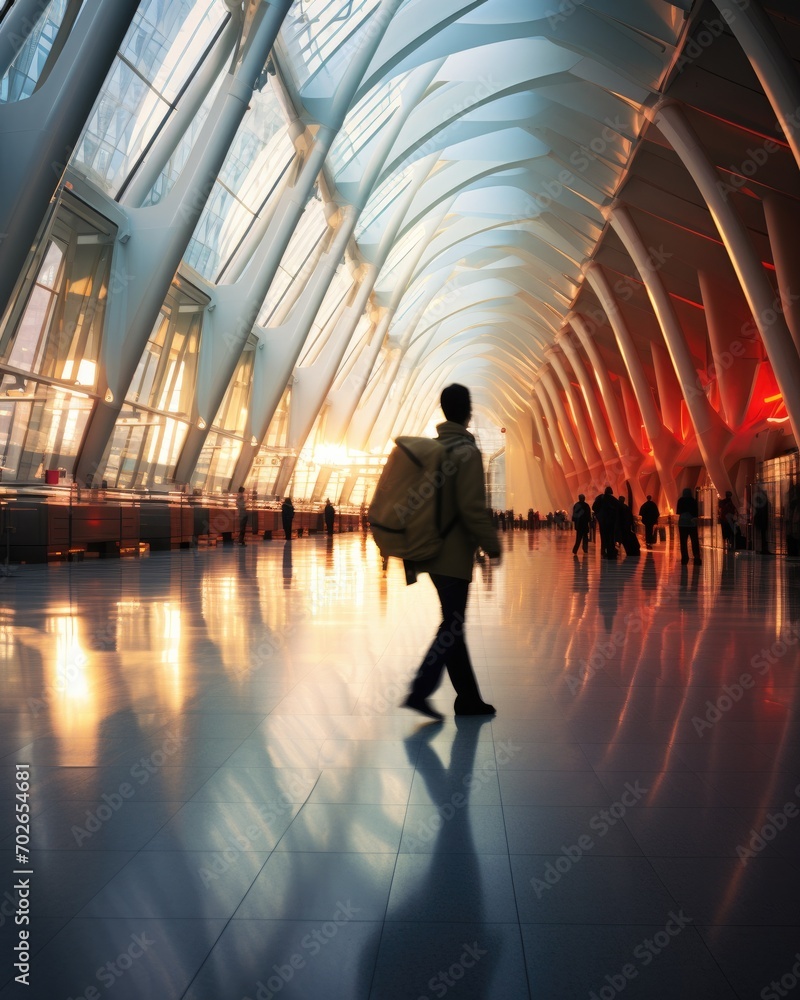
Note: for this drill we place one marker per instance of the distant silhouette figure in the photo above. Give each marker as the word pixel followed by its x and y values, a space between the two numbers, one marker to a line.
pixel 761 506
pixel 287 516
pixel 626 531
pixel 727 515
pixel 606 510
pixel 649 514
pixel 582 519
pixel 330 516
pixel 687 512
pixel 241 507
pixel 793 522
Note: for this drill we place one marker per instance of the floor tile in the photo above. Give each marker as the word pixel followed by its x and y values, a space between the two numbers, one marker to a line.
pixel 306 886
pixel 285 826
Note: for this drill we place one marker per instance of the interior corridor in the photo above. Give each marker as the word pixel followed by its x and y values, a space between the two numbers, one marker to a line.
pixel 228 803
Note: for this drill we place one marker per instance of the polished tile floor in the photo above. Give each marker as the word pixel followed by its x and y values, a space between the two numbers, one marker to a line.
pixel 228 803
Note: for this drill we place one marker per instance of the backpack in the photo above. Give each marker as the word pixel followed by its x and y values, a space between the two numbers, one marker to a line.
pixel 406 510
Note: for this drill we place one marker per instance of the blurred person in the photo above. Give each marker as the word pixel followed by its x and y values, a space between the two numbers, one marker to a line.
pixel 688 513
pixel 582 519
pixel 649 514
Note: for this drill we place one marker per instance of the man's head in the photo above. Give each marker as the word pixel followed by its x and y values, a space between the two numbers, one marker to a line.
pixel 687 492
pixel 728 494
pixel 608 490
pixel 456 404
pixel 581 496
pixel 649 497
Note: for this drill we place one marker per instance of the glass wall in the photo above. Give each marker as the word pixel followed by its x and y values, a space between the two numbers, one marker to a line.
pixel 162 49
pixel 224 442
pixel 30 64
pixel 258 158
pixel 50 343
pixel 152 427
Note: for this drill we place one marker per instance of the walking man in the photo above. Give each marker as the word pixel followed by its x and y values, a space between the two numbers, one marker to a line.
pixel 649 514
pixel 606 510
pixel 687 511
pixel 287 516
pixel 241 508
pixel 330 515
pixel 463 506
pixel 582 519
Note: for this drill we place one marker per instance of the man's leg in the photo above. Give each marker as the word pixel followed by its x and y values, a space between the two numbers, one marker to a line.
pixel 449 648
pixel 453 599
pixel 683 534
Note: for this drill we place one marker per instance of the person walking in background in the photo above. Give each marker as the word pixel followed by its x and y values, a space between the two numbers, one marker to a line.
pixel 241 507
pixel 606 510
pixel 287 516
pixel 649 514
pixel 727 515
pixel 626 529
pixel 582 519
pixel 687 512
pixel 330 516
pixel 464 506
pixel 761 507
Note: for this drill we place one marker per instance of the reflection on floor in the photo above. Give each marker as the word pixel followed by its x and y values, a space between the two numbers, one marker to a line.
pixel 228 803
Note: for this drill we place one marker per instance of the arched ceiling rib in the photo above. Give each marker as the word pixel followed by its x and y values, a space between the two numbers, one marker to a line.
pixel 526 126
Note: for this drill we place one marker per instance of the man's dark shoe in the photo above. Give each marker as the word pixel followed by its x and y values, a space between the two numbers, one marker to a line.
pixel 421 705
pixel 474 708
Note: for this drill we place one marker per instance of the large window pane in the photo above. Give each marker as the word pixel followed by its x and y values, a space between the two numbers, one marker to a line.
pixel 161 50
pixel 41 427
pixel 23 75
pixel 144 449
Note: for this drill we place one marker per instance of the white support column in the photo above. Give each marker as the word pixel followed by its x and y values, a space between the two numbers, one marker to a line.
pixel 760 298
pixel 713 437
pixel 596 468
pixel 609 454
pixel 39 134
pixel 186 111
pixel 16 27
pixel 383 410
pixel 665 447
pixel 783 223
pixel 280 347
pixel 557 440
pixel 312 383
pixel 148 256
pixel 771 62
pixel 345 400
pixel 270 239
pixel 630 457
pixel 523 472
pixel 552 471
pixel 736 364
pixel 579 460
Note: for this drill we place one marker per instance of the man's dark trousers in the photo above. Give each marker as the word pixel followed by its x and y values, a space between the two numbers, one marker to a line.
pixel 607 539
pixel 448 648
pixel 581 535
